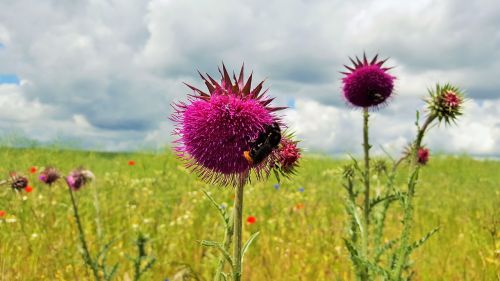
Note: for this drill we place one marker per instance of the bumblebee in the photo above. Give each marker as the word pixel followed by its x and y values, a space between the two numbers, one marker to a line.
pixel 265 143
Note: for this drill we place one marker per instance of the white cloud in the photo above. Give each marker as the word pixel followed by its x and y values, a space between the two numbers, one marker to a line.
pixel 338 130
pixel 105 72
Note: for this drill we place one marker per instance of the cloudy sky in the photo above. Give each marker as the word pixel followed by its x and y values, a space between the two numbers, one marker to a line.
pixel 103 73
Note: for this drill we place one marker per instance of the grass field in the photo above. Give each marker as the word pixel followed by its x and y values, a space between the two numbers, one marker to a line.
pixel 301 231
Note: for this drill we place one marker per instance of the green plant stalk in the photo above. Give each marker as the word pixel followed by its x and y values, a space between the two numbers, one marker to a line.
pixel 228 235
pixel 380 224
pixel 420 136
pixel 407 225
pixel 86 253
pixel 238 229
pixel 408 202
pixel 366 181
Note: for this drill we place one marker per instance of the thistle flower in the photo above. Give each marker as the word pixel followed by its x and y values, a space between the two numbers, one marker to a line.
pixel 216 128
pixel 49 175
pixel 78 178
pixel 423 155
pixel 445 102
pixel 18 182
pixel 288 155
pixel 367 84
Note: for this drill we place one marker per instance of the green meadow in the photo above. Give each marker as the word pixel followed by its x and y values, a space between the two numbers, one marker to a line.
pixel 301 223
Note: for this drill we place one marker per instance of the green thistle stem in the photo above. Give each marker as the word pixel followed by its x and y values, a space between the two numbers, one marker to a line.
pixel 408 203
pixel 421 132
pixel 86 253
pixel 228 238
pixel 238 229
pixel 366 174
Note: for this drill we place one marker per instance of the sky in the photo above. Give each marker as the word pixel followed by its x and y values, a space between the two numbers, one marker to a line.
pixel 103 73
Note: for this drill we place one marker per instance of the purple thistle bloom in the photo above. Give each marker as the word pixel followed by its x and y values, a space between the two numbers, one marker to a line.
pixel 49 175
pixel 367 84
pixel 78 178
pixel 18 182
pixel 216 128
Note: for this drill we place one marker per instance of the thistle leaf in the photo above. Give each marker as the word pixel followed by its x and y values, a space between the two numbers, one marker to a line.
pixel 247 244
pixel 422 240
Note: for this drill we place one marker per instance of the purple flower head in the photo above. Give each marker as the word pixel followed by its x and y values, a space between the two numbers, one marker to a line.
pixel 423 155
pixel 78 178
pixel 216 128
pixel 367 84
pixel 49 175
pixel 18 182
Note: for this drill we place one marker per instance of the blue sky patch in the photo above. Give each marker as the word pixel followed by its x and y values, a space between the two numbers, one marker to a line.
pixel 9 79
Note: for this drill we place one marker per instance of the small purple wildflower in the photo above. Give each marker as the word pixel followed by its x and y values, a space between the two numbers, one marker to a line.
pixel 215 128
pixel 78 178
pixel 367 84
pixel 49 175
pixel 277 186
pixel 423 155
pixel 301 189
pixel 18 182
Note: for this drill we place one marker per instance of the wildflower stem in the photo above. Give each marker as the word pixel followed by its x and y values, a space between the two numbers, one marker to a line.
pixel 366 147
pixel 86 254
pixel 238 227
pixel 421 132
pixel 228 238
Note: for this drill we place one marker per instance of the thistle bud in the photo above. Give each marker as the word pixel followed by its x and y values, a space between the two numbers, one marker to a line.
pixel 423 155
pixel 445 103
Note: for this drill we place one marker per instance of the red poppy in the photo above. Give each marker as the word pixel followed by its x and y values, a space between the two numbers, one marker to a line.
pixel 131 162
pixel 299 206
pixel 2 213
pixel 33 170
pixel 28 189
pixel 251 220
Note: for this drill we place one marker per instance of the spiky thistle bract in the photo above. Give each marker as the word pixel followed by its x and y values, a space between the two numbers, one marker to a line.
pixel 445 102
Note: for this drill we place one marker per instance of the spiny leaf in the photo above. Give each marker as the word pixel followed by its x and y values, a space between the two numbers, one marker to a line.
pixel 422 240
pixel 385 247
pixel 217 245
pixel 221 210
pixel 247 244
